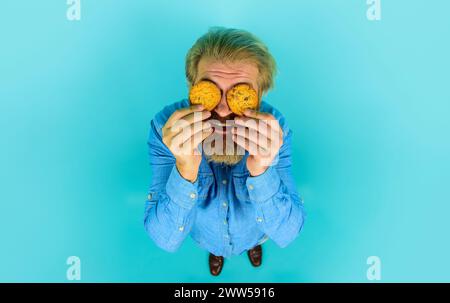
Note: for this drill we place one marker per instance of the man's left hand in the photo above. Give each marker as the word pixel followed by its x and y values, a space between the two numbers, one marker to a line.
pixel 261 135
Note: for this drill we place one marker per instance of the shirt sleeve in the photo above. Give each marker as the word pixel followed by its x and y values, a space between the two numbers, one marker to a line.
pixel 170 206
pixel 279 208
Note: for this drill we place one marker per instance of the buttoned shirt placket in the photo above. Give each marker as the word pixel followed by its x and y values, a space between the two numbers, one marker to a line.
pixel 224 207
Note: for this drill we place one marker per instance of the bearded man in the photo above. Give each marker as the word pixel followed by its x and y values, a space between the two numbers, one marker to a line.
pixel 221 176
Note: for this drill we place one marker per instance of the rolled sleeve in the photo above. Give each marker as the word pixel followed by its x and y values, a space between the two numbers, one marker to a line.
pixel 181 191
pixel 265 186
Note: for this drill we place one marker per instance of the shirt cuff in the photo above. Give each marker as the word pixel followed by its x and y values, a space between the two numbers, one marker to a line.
pixel 265 186
pixel 180 190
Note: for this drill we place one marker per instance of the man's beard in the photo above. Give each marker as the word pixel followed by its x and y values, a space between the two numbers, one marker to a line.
pixel 228 158
pixel 219 147
pixel 225 159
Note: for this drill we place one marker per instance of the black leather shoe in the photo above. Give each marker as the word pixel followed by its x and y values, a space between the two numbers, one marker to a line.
pixel 255 255
pixel 215 264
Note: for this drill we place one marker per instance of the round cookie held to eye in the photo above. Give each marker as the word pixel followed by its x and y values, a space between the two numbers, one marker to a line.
pixel 242 97
pixel 205 93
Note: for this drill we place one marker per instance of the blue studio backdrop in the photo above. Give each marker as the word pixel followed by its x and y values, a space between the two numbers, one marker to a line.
pixel 367 97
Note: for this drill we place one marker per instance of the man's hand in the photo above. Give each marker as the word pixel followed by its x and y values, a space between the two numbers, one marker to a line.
pixel 261 135
pixel 182 134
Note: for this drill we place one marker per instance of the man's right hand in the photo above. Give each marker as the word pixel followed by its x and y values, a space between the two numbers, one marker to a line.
pixel 182 133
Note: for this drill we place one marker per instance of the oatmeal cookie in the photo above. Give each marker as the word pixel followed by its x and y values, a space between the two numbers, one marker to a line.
pixel 242 97
pixel 205 93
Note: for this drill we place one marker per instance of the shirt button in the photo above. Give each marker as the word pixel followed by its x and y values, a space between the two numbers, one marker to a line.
pixel 259 219
pixel 181 228
pixel 224 222
pixel 149 196
pixel 224 182
pixel 226 236
pixel 193 195
pixel 250 187
pixel 224 204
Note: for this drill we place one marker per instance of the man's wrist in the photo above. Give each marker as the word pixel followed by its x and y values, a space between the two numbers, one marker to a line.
pixel 254 172
pixel 188 172
pixel 256 169
pixel 263 186
pixel 181 191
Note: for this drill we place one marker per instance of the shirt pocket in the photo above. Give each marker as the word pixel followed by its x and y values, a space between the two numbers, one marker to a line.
pixel 240 187
pixel 205 181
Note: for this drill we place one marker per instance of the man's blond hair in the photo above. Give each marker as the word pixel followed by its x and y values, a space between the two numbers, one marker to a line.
pixel 230 45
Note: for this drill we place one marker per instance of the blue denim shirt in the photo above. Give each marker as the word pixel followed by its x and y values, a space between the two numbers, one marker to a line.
pixel 226 211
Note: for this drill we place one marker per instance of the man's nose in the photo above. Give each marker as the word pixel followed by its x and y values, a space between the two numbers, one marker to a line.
pixel 222 108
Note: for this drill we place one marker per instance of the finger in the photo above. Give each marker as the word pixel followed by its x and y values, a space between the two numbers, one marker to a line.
pixel 267 128
pixel 190 119
pixel 263 122
pixel 245 143
pixel 189 132
pixel 256 137
pixel 186 121
pixel 174 143
pixel 197 116
pixel 190 145
pixel 258 115
pixel 181 113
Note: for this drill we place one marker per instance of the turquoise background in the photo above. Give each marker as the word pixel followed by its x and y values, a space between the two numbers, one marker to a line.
pixel 369 104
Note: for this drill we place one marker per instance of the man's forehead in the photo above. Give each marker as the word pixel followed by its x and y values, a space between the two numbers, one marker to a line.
pixel 239 70
pixel 238 67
